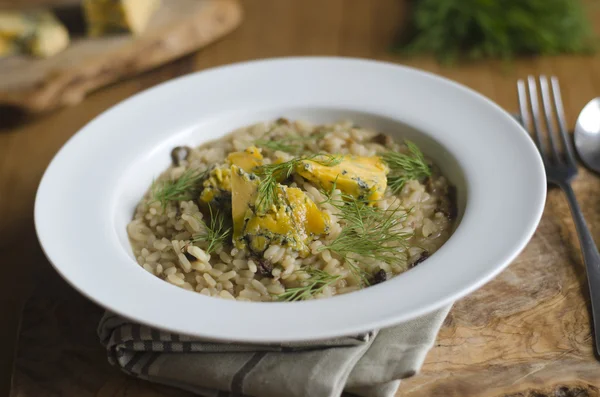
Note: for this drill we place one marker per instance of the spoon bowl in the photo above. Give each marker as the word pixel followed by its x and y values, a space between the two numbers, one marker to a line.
pixel 587 134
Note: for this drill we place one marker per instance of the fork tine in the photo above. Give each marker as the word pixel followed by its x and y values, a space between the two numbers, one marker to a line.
pixel 524 110
pixel 522 93
pixel 560 116
pixel 533 102
pixel 548 116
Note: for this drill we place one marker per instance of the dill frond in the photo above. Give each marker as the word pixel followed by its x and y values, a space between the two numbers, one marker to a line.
pixel 369 233
pixel 284 145
pixel 405 167
pixel 216 233
pixel 270 174
pixel 359 273
pixel 267 193
pixel 293 144
pixel 316 283
pixel 187 187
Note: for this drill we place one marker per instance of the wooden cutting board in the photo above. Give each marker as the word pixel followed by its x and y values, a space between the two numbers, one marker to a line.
pixel 525 334
pixel 177 28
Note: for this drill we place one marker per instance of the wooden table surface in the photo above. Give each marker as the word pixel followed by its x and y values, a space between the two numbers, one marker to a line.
pixel 537 345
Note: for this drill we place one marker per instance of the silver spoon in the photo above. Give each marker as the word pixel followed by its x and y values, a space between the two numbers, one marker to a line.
pixel 587 134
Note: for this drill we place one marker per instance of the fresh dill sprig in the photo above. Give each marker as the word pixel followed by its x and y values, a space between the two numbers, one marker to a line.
pixel 369 232
pixel 358 272
pixel 186 187
pixel 312 286
pixel 216 233
pixel 293 144
pixel 405 167
pixel 284 145
pixel 267 193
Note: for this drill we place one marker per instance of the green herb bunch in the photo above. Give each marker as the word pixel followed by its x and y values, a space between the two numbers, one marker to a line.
pixel 475 29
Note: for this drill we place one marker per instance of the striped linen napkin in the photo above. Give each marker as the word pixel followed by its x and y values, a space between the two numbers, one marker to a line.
pixel 370 364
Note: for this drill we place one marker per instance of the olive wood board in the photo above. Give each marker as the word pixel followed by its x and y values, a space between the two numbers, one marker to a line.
pixel 177 28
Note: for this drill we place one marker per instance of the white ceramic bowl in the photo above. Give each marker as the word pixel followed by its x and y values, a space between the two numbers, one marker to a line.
pixel 90 189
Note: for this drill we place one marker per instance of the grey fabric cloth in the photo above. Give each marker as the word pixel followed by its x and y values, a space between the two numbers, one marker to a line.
pixel 371 364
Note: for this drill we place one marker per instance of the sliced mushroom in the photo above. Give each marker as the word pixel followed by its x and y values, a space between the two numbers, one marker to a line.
pixel 379 277
pixel 264 267
pixel 190 257
pixel 383 139
pixel 422 258
pixel 179 154
pixel 282 121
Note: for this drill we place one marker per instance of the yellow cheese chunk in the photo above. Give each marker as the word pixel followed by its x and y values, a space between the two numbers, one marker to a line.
pixel 14 24
pixel 244 188
pixel 247 160
pixel 36 33
pixel 294 222
pixel 114 16
pixel 361 177
pixel 218 184
pixel 7 47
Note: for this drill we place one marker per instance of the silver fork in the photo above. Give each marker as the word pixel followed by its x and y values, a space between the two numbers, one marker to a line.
pixel 560 171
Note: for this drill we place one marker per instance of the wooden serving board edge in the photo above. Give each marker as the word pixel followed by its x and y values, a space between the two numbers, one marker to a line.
pixel 70 86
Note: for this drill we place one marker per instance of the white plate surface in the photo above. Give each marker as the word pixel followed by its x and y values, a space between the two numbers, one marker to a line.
pixel 90 189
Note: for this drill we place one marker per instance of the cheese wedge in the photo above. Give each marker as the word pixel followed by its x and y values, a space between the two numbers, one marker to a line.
pixel 37 33
pixel 114 16
pixel 7 47
pixel 217 187
pixel 361 177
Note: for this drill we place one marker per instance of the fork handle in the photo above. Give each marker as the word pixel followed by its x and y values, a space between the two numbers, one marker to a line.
pixel 591 258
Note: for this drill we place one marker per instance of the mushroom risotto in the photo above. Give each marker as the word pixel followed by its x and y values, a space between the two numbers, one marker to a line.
pixel 286 211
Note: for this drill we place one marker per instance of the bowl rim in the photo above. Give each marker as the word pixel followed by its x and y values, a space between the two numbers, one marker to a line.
pixel 464 113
